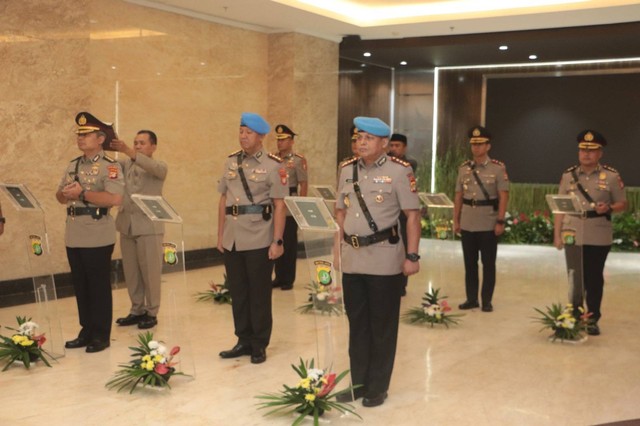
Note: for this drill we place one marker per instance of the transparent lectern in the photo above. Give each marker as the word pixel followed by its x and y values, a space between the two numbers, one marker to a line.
pixel 172 324
pixel 32 232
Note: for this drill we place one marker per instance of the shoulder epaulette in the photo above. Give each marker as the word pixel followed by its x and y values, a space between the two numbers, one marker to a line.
pixel 499 163
pixel 466 163
pixel 611 169
pixel 109 159
pixel 299 155
pixel 76 159
pixel 233 154
pixel 399 161
pixel 348 161
pixel 572 168
pixel 275 157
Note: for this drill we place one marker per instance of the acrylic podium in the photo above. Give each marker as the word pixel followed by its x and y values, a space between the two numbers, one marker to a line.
pixel 175 298
pixel 32 232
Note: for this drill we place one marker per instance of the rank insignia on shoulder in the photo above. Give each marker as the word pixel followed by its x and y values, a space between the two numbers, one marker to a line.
pixel 299 155
pixel 499 163
pixel 572 168
pixel 109 159
pixel 466 163
pixel 348 161
pixel 399 161
pixel 275 157
pixel 611 169
pixel 235 153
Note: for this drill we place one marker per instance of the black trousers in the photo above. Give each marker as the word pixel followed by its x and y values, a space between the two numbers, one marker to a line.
pixel 373 308
pixel 91 276
pixel 249 281
pixel 484 243
pixel 285 265
pixel 587 264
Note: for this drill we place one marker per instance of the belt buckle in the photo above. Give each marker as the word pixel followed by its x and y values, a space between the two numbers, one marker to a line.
pixel 72 211
pixel 473 203
pixel 354 241
pixel 234 210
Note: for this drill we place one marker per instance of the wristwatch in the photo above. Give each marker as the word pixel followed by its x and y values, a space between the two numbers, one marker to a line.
pixel 279 242
pixel 81 196
pixel 500 221
pixel 414 257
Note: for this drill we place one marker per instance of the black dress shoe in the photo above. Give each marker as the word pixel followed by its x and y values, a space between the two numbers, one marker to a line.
pixel 349 396
pixel 130 319
pixel 469 305
pixel 374 401
pixel 80 342
pixel 97 346
pixel 593 329
pixel 286 287
pixel 236 351
pixel 487 307
pixel 147 322
pixel 258 356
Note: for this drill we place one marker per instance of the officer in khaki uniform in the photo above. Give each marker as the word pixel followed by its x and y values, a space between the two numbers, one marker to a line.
pixel 296 166
pixel 587 239
pixel 251 218
pixel 92 183
pixel 480 205
pixel 372 191
pixel 140 237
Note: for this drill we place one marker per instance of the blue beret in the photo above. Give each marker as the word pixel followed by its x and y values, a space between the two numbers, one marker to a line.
pixel 255 123
pixel 372 125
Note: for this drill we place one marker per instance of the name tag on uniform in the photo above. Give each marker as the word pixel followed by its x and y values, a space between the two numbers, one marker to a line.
pixel 260 171
pixel 382 179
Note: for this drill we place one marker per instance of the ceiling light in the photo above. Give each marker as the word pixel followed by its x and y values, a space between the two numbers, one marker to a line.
pixel 363 65
pixel 366 54
pixel 113 67
pixel 532 57
pixel 503 47
pixel 403 62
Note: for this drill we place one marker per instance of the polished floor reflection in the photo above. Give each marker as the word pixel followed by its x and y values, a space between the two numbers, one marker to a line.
pixel 492 369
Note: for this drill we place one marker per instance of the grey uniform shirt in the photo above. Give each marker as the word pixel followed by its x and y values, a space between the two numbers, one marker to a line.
pixel 388 186
pixel 267 179
pixel 603 185
pixel 493 175
pixel 143 176
pixel 296 166
pixel 100 173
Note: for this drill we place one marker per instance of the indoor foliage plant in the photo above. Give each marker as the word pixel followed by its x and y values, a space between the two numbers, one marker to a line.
pixel 24 345
pixel 217 293
pixel 151 366
pixel 433 310
pixel 312 396
pixel 324 299
pixel 566 322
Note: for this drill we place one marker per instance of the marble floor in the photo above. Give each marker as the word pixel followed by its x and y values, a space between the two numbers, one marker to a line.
pixel 491 369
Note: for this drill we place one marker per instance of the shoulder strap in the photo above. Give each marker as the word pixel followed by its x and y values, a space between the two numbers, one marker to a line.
pixel 363 205
pixel 245 185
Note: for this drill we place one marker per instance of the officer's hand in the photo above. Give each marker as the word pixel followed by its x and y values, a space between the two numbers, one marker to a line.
pixel 121 146
pixel 72 191
pixel 275 251
pixel 456 228
pixel 557 242
pixel 499 229
pixel 410 268
pixel 220 248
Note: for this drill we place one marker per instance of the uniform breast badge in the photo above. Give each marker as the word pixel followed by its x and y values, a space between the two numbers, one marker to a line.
pixel 379 198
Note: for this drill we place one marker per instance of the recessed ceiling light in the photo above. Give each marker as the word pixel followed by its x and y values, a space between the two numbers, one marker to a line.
pixel 113 67
pixel 367 54
pixel 403 62
pixel 503 47
pixel 363 65
pixel 532 57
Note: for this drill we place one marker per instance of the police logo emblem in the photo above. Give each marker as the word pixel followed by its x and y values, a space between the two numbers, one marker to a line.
pixel 588 137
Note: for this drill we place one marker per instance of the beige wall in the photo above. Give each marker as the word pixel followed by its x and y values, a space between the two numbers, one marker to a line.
pixel 188 82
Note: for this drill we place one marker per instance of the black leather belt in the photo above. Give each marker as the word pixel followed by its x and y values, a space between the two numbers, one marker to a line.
pixel 590 214
pixel 236 210
pixel 390 234
pixel 474 203
pixel 94 212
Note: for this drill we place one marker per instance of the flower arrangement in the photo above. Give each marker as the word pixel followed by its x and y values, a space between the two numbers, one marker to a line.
pixel 325 299
pixel 218 293
pixel 434 310
pixel 24 345
pixel 563 322
pixel 312 396
pixel 535 228
pixel 151 365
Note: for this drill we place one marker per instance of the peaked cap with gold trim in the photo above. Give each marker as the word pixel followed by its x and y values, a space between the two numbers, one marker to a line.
pixel 591 139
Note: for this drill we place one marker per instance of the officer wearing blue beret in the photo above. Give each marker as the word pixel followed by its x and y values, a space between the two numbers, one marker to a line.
pixel 373 189
pixel 251 218
pixel 587 239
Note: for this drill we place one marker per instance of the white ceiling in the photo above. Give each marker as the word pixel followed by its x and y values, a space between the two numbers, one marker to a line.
pixel 387 19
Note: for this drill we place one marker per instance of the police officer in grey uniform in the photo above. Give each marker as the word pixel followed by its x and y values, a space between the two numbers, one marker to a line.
pixel 92 183
pixel 587 239
pixel 480 205
pixel 372 191
pixel 251 218
pixel 296 166
pixel 140 237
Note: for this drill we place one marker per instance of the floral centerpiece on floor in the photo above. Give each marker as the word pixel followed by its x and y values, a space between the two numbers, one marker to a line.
pixel 564 322
pixel 217 293
pixel 24 345
pixel 151 366
pixel 325 299
pixel 312 396
pixel 434 310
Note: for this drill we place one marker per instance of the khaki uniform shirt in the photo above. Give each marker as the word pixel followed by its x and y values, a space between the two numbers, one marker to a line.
pixel 603 185
pixel 493 175
pixel 296 166
pixel 388 187
pixel 100 173
pixel 143 176
pixel 267 179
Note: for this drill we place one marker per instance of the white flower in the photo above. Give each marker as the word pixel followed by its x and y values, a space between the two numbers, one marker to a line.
pixel 28 328
pixel 315 373
pixel 321 296
pixel 162 349
pixel 153 344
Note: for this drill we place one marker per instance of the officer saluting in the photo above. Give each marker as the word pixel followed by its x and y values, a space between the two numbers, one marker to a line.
pixel 251 217
pixel 372 191
pixel 92 183
pixel 480 204
pixel 296 166
pixel 587 240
